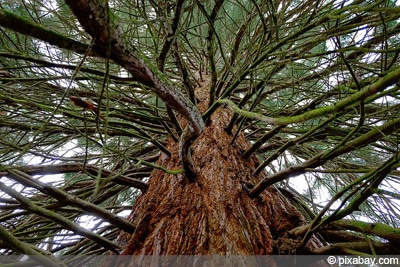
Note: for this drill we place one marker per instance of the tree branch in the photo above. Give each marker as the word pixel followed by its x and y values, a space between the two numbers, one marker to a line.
pixel 39 255
pixel 93 16
pixel 322 157
pixel 76 167
pixel 30 206
pixel 382 230
pixel 389 79
pixel 63 197
pixel 24 26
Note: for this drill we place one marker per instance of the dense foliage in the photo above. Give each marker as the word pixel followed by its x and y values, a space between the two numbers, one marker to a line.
pixel 314 85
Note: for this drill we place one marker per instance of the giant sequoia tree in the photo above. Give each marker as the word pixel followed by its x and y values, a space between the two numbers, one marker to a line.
pixel 226 127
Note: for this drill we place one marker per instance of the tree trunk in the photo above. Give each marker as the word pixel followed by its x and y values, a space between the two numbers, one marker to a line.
pixel 214 214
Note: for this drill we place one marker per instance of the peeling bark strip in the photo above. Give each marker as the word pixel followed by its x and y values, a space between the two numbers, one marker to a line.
pixel 93 17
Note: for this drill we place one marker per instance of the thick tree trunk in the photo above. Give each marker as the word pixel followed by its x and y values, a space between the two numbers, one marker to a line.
pixel 214 214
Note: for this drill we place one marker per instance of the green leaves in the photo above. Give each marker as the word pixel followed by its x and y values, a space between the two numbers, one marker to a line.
pixel 313 85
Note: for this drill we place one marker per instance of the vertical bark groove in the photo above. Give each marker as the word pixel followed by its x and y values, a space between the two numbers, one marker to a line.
pixel 214 214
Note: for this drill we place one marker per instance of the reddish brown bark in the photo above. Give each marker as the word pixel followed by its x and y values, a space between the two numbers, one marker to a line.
pixel 214 214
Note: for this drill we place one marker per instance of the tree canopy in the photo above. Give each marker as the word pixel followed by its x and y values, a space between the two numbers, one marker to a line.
pixel 91 91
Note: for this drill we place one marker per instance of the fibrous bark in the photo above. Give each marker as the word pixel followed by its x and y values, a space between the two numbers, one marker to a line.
pixel 210 211
pixel 214 214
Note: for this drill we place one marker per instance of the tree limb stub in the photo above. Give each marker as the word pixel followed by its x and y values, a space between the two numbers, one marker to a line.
pixel 94 19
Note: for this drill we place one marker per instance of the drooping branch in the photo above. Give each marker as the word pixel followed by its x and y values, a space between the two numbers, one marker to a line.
pixel 64 197
pixel 21 25
pixel 389 79
pixel 382 230
pixel 98 21
pixel 45 63
pixel 40 256
pixel 122 53
pixel 355 248
pixel 171 37
pixel 77 167
pixel 27 204
pixel 373 179
pixel 357 236
pixel 319 159
pixel 212 34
